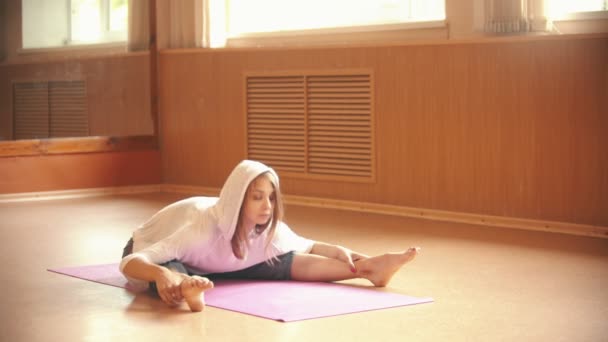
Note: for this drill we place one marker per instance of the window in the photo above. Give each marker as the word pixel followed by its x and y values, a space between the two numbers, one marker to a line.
pixel 579 9
pixel 246 18
pixel 59 23
pixel 95 20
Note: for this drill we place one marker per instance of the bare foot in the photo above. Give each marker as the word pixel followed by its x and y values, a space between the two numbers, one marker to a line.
pixel 192 289
pixel 380 269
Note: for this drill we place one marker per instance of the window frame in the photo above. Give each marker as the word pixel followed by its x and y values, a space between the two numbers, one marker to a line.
pixel 108 41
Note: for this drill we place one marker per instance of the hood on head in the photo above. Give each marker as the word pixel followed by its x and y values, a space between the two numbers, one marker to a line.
pixel 233 192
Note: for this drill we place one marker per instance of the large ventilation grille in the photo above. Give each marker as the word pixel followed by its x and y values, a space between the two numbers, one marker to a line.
pixel 50 109
pixel 312 124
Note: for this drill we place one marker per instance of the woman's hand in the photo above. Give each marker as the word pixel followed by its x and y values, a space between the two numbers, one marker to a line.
pixel 349 257
pixel 338 252
pixel 168 286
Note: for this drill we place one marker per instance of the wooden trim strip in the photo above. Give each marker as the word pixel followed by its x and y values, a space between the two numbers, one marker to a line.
pixel 190 190
pixel 79 193
pixel 437 215
pixel 58 55
pixel 76 145
pixel 449 216
pixel 154 75
pixel 375 208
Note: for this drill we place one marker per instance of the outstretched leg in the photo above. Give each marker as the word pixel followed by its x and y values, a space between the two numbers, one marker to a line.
pixel 378 269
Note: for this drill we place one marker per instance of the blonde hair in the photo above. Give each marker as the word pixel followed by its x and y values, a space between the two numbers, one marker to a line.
pixel 240 241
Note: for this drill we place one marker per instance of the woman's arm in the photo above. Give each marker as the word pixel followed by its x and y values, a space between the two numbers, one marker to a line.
pixel 139 268
pixel 167 282
pixel 337 252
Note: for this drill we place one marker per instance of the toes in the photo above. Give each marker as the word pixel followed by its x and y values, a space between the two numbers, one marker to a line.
pixel 201 282
pixel 205 284
pixel 413 250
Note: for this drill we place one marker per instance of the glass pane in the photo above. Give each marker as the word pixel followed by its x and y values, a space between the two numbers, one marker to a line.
pixel 86 20
pixel 119 15
pixel 561 7
pixel 281 15
pixel 44 23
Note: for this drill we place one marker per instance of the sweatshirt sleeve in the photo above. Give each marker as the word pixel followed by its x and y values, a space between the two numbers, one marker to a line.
pixel 161 252
pixel 286 240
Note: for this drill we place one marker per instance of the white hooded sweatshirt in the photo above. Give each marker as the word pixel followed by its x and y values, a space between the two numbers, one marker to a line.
pixel 197 231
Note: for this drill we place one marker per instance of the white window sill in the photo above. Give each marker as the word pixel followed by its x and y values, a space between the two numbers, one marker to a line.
pixel 114 46
pixel 343 35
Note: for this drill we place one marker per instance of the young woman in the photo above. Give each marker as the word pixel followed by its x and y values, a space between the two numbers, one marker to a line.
pixel 238 235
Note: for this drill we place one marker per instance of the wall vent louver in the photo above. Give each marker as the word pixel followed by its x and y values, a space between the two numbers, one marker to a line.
pixel 312 124
pixel 50 109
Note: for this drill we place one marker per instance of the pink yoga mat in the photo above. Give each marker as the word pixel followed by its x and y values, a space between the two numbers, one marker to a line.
pixel 284 301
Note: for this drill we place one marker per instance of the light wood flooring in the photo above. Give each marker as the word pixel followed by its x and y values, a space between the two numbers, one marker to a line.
pixel 489 284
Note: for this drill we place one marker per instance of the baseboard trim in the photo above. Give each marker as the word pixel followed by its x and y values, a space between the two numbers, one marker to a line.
pixel 437 215
pixel 190 190
pixel 450 216
pixel 375 208
pixel 78 193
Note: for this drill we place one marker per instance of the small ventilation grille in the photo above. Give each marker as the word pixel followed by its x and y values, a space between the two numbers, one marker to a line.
pixel 312 124
pixel 50 109
pixel 67 102
pixel 31 110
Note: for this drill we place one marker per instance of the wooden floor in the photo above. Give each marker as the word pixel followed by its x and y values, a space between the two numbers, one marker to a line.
pixel 489 284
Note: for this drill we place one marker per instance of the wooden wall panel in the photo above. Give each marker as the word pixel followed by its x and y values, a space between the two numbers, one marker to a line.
pixel 6 109
pixel 514 128
pixel 118 92
pixel 77 171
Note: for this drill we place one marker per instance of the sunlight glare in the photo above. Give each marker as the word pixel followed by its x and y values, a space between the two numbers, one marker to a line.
pixel 559 8
pixel 119 15
pixel 86 21
pixel 283 15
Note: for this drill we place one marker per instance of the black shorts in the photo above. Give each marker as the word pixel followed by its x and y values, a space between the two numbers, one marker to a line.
pixel 277 269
